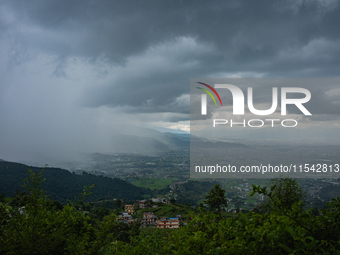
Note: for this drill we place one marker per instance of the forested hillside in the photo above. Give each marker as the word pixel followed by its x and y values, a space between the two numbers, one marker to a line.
pixel 34 225
pixel 62 185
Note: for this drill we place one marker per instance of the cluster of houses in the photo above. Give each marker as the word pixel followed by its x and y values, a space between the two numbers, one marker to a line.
pixel 169 223
pixel 152 220
pixel 125 217
pixel 149 219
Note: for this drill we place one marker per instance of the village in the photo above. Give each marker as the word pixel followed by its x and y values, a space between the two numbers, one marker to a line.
pixel 149 219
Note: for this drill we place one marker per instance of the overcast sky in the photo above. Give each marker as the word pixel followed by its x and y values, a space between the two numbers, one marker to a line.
pixel 72 70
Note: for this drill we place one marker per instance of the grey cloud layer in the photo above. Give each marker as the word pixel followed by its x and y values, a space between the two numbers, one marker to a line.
pixel 154 47
pixel 72 70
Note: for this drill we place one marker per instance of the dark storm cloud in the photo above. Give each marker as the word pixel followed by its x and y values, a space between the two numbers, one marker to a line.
pixel 200 38
pixel 71 70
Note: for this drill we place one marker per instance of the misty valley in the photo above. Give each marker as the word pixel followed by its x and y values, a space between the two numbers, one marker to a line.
pixel 166 173
pixel 147 203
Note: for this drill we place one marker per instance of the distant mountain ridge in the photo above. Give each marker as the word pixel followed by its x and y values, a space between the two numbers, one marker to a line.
pixel 165 141
pixel 149 141
pixel 63 185
pixel 135 140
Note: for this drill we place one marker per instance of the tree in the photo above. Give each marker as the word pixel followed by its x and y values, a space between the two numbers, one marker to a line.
pixel 117 203
pixel 216 198
pixel 2 197
pixel 101 212
pixel 287 191
pixel 35 226
pixel 172 201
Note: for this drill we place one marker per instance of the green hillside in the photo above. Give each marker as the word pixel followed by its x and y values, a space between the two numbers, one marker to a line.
pixel 61 184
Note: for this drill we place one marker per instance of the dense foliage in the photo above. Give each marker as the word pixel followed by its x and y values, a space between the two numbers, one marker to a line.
pixel 282 231
pixel 35 226
pixel 287 191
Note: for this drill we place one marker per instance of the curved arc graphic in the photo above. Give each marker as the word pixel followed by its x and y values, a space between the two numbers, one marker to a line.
pixel 209 94
pixel 213 91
